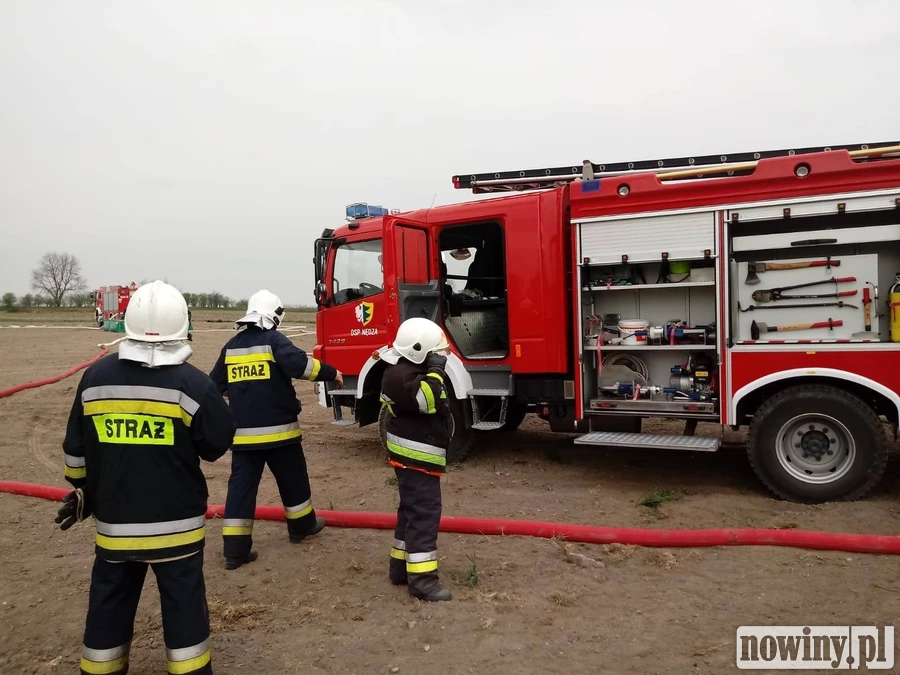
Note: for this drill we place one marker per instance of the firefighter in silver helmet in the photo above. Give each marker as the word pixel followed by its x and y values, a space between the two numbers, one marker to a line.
pixel 255 370
pixel 418 435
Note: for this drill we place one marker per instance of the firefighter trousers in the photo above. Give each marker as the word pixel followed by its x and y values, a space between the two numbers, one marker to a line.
pixel 113 602
pixel 414 552
pixel 288 465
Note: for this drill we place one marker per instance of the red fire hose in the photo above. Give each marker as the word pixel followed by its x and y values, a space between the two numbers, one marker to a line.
pixel 55 378
pixel 824 541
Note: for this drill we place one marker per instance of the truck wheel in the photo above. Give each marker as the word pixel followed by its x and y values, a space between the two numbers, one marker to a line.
pixel 515 415
pixel 462 437
pixel 817 443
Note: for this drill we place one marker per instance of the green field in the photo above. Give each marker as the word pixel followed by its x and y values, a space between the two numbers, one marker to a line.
pixel 85 316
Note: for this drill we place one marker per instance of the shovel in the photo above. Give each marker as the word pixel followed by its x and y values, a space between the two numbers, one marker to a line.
pixel 759 327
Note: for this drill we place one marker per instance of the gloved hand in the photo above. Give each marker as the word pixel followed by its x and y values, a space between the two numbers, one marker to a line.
pixel 74 508
pixel 436 361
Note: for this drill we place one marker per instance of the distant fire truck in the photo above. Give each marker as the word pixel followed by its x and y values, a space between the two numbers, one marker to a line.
pixel 110 302
pixel 737 290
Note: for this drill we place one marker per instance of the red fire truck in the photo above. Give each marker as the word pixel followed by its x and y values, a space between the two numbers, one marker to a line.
pixel 737 290
pixel 110 302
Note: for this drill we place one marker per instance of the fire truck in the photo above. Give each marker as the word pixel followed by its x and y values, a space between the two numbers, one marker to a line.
pixel 110 303
pixel 732 290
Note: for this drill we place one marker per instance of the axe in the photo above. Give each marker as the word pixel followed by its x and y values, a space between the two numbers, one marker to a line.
pixel 761 327
pixel 754 267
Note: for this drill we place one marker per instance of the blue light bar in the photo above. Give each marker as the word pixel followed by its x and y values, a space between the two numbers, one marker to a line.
pixel 363 210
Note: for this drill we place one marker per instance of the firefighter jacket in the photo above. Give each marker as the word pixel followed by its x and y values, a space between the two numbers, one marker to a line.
pixel 255 370
pixel 134 441
pixel 418 425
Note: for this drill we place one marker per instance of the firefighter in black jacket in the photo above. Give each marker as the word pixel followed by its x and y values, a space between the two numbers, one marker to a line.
pixel 141 422
pixel 255 370
pixel 418 435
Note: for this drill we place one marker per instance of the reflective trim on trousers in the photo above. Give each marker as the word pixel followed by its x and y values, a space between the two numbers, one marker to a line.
pixel 235 527
pixel 420 563
pixel 258 435
pixel 105 661
pixel 294 512
pixel 188 659
pixel 398 550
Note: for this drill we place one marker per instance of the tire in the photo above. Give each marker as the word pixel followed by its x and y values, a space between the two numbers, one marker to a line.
pixel 462 441
pixel 818 420
pixel 515 415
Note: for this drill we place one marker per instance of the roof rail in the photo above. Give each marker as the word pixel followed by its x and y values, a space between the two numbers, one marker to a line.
pixel 673 168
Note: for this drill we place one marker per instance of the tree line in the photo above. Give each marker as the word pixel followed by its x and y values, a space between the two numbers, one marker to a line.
pixel 57 281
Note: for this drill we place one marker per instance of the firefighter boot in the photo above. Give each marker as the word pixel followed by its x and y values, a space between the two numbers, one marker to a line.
pixel 234 563
pixel 397 572
pixel 315 529
pixel 427 587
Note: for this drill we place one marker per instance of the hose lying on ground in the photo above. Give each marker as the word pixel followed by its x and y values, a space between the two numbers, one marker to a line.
pixel 55 378
pixel 823 541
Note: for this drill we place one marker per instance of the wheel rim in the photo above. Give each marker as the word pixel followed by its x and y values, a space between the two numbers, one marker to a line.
pixel 816 449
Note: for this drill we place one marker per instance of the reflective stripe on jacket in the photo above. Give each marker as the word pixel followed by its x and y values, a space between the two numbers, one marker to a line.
pixel 418 426
pixel 134 442
pixel 255 369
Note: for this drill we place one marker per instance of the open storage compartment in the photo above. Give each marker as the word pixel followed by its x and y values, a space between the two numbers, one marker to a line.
pixel 649 317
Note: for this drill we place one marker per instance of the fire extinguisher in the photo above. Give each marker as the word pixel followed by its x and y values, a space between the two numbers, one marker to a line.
pixel 894 306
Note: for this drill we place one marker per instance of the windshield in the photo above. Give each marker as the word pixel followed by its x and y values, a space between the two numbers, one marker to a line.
pixel 357 271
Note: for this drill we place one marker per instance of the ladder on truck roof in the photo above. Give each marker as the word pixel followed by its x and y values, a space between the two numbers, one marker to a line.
pixel 673 168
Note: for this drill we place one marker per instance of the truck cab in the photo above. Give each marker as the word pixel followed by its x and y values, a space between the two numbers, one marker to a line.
pixel 490 273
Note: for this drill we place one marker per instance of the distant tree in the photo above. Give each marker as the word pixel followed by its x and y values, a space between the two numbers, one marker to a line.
pixel 242 303
pixel 80 299
pixel 41 301
pixel 26 300
pixel 9 300
pixel 57 274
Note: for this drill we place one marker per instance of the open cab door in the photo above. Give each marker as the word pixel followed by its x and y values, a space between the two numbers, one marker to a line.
pixel 410 273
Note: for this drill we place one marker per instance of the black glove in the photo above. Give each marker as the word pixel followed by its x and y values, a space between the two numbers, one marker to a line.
pixel 436 361
pixel 74 509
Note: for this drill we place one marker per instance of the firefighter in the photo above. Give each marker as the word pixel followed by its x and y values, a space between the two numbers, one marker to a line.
pixel 254 371
pixel 418 435
pixel 140 424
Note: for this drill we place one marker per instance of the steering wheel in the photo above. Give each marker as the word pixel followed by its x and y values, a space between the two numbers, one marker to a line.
pixel 371 288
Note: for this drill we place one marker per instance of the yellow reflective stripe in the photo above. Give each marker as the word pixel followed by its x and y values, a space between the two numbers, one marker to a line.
pixel 103 667
pixel 316 367
pixel 134 429
pixel 150 543
pixel 268 438
pixel 237 531
pixel 293 515
pixel 429 398
pixel 190 665
pixel 76 473
pixel 135 407
pixel 389 405
pixel 416 454
pixel 436 376
pixel 398 554
pixel 249 358
pixel 422 567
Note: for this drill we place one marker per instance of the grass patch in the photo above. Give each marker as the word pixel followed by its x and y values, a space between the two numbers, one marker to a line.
pixel 656 499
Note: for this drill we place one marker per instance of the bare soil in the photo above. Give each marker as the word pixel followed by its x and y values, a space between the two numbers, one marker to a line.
pixel 521 605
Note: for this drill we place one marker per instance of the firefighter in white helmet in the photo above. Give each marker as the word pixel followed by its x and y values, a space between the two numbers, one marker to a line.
pixel 255 370
pixel 418 435
pixel 141 422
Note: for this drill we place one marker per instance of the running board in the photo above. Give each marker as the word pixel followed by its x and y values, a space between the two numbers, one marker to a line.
pixel 339 420
pixel 650 441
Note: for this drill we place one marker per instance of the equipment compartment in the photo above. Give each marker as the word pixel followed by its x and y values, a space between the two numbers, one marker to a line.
pixel 647 238
pixel 771 303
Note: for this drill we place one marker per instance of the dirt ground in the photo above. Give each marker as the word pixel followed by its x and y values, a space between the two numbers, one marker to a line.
pixel 520 604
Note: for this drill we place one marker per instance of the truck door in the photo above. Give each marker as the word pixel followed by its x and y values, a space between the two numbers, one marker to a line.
pixel 409 272
pixel 354 320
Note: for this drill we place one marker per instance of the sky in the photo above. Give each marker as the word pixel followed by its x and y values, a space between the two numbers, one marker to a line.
pixel 208 142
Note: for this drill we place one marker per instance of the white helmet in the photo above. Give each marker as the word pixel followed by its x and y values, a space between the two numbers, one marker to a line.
pixel 264 309
pixel 417 338
pixel 157 312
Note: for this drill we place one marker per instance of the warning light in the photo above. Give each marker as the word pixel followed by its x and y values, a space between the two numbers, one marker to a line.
pixel 363 210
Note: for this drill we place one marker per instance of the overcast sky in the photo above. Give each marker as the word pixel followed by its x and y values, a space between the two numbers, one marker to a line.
pixel 210 141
